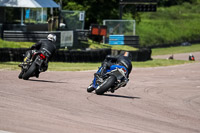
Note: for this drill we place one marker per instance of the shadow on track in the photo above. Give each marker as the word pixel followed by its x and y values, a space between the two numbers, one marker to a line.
pixel 46 81
pixel 112 95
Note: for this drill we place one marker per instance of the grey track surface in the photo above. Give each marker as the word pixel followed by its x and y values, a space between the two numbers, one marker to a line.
pixel 156 100
pixel 181 56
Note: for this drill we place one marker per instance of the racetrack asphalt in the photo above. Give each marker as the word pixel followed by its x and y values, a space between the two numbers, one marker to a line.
pixel 181 56
pixel 156 100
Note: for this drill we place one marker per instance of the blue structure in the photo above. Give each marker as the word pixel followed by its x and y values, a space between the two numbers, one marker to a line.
pixel 116 39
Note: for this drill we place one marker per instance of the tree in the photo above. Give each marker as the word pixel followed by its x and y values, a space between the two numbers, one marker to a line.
pixel 173 2
pixel 98 10
pixel 95 10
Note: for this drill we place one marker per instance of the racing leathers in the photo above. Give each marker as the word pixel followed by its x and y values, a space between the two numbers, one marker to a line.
pixel 42 45
pixel 116 60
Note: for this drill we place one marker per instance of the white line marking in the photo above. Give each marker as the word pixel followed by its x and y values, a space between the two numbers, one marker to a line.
pixel 5 132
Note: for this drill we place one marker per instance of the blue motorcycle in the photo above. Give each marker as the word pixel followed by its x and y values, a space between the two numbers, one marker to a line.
pixel 114 78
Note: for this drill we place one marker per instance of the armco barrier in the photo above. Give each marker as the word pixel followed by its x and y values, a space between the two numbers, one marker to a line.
pixel 10 54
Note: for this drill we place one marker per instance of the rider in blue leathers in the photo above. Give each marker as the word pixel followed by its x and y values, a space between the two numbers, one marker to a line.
pixel 110 63
pixel 122 60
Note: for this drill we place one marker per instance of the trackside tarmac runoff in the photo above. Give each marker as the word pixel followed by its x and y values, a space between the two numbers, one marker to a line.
pixel 156 100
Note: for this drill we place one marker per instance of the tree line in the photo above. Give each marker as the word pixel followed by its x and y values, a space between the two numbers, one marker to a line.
pixel 97 10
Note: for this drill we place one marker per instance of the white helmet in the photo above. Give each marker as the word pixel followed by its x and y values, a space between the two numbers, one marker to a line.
pixel 52 37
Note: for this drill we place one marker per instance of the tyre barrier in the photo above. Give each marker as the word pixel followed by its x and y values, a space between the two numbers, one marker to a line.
pixel 12 54
pixel 98 55
pixel 81 56
pixel 142 54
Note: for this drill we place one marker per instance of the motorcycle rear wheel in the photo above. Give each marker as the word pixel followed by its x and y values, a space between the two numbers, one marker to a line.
pixel 30 71
pixel 108 83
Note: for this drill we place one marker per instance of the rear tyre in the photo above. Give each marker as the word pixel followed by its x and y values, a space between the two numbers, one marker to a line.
pixel 30 71
pixel 108 83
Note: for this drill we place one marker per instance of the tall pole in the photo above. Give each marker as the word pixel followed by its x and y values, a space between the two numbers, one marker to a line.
pixel 22 16
pixel 60 4
pixel 59 19
pixel 42 15
pixel 120 11
pixel 121 7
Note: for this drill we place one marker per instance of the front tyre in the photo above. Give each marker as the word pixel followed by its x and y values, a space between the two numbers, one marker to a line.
pixel 30 71
pixel 108 83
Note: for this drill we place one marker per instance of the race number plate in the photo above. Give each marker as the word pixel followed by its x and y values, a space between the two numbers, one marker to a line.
pixel 38 61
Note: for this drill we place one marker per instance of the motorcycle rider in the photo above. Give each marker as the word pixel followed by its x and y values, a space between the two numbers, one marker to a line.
pixel 45 44
pixel 122 60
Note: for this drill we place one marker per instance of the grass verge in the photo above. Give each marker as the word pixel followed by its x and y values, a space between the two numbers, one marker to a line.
pixel 168 25
pixel 10 44
pixel 61 66
pixel 175 50
pixel 90 44
pixel 159 63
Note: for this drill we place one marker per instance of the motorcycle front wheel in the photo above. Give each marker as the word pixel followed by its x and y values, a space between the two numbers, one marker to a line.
pixel 30 71
pixel 108 83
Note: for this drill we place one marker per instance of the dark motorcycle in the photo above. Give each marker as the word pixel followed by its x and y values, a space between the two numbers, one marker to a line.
pixel 114 78
pixel 38 63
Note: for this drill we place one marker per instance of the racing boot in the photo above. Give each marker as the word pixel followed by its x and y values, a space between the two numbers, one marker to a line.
pixel 37 74
pixel 20 75
pixel 112 90
pixel 124 82
pixel 90 88
pixel 20 65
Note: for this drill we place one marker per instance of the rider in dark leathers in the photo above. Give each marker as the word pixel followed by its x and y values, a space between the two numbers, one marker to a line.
pixel 46 45
pixel 122 60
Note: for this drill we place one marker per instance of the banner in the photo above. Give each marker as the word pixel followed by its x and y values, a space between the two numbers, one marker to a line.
pixel 27 13
pixel 66 38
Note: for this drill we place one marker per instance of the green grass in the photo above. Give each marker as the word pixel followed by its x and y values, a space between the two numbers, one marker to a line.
pixel 159 63
pixel 90 44
pixel 61 66
pixel 10 44
pixel 9 65
pixel 169 25
pixel 95 45
pixel 175 50
pixel 55 66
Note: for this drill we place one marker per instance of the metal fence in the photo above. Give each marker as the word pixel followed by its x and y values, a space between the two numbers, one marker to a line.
pixel 73 20
pixel 121 32
pixel 120 27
